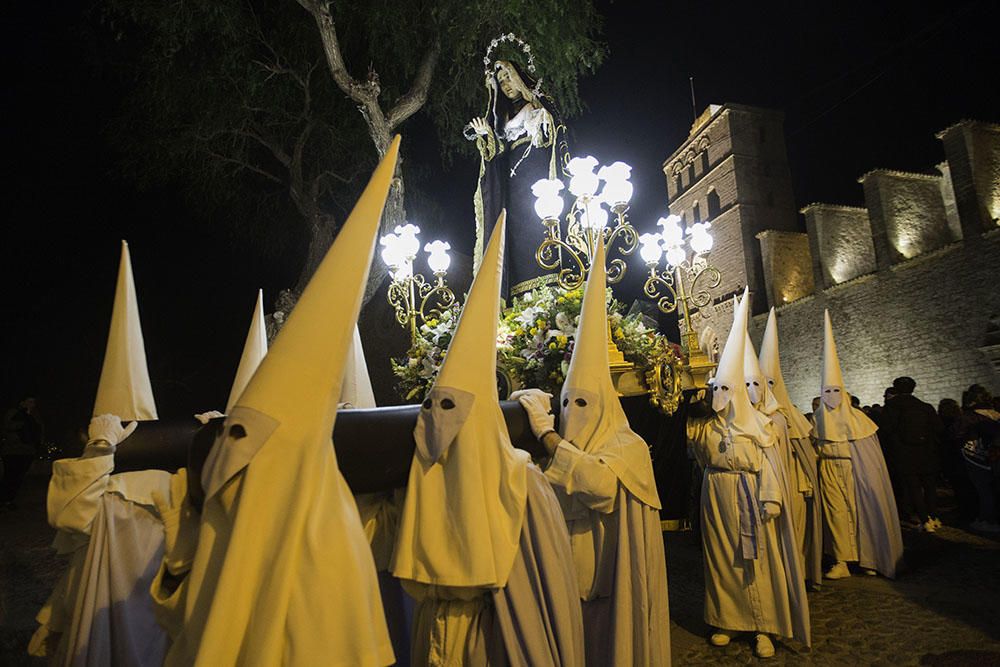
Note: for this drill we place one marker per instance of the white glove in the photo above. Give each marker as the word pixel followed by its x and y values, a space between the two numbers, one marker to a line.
pixel 538 405
pixel 206 417
pixel 109 429
pixel 770 510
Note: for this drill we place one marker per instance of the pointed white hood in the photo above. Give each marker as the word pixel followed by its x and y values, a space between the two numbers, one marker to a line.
pixel 254 350
pixel 280 536
pixel 591 416
pixel 467 491
pixel 730 399
pixel 758 388
pixel 770 362
pixel 357 390
pixel 836 420
pixel 124 389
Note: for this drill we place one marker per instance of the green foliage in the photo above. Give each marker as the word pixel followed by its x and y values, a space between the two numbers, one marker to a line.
pixel 222 92
pixel 535 340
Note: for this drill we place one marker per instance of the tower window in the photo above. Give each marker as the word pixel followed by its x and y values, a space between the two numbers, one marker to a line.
pixel 696 212
pixel 712 200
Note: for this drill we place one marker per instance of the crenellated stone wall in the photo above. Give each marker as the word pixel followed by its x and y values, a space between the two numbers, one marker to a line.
pixel 927 317
pixel 840 240
pixel 910 280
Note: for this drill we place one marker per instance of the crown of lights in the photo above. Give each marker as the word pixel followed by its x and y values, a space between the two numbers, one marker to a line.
pixel 489 65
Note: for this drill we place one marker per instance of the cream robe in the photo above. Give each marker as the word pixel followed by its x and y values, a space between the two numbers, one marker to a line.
pixel 282 573
pixel 534 620
pixel 862 522
pixel 100 611
pixel 380 518
pixel 799 459
pixel 620 562
pixel 753 576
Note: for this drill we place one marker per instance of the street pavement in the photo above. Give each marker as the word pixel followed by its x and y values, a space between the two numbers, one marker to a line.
pixel 944 610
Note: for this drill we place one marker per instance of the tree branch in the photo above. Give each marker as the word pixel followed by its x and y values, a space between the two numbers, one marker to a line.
pixel 416 97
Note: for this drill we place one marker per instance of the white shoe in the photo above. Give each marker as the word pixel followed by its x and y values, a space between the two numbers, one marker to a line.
pixel 720 638
pixel 869 572
pixel 935 521
pixel 838 571
pixel 928 527
pixel 763 647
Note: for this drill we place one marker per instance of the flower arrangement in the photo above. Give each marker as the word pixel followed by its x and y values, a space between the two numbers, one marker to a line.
pixel 534 341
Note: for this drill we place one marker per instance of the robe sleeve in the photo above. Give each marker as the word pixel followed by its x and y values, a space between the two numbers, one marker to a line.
pixel 586 477
pixel 180 530
pixel 770 484
pixel 75 491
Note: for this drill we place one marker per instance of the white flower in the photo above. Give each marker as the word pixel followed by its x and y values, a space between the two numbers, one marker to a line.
pixel 565 325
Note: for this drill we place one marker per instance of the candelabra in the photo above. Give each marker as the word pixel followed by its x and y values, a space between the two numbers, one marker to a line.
pixel 587 220
pixel 686 282
pixel 411 295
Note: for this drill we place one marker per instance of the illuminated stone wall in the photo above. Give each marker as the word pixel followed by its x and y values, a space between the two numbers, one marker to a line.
pixel 788 268
pixel 840 239
pixel 973 152
pixel 910 280
pixel 907 214
pixel 926 317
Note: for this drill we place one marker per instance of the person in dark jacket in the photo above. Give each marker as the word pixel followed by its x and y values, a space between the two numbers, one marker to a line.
pixel 911 431
pixel 22 440
pixel 977 436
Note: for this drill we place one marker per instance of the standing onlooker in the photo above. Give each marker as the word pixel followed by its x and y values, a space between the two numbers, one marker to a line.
pixel 976 431
pixel 22 438
pixel 953 463
pixel 911 431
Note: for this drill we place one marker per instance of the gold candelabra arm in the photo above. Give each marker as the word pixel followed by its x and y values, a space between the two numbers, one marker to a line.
pixel 399 298
pixel 704 278
pixel 437 295
pixel 623 231
pixel 553 250
pixel 660 287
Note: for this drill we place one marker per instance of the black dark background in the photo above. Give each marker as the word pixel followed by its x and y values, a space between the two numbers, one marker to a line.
pixel 863 85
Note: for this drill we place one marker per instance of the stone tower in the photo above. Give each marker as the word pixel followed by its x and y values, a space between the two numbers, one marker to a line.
pixel 733 171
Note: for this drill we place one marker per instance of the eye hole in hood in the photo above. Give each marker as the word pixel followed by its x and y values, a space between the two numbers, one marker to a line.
pixel 442 415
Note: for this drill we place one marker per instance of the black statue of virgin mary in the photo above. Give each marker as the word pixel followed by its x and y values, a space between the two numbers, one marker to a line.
pixel 520 140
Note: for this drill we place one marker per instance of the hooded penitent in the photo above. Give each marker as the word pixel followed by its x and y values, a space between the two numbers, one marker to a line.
pixel 465 500
pixel 591 414
pixel 770 362
pixel 836 419
pixel 803 477
pixel 357 390
pixel 744 470
pixel 730 398
pixel 254 350
pixel 283 573
pixel 124 389
pixel 757 385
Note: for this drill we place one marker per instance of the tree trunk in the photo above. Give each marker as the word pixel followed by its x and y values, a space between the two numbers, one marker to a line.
pixel 322 230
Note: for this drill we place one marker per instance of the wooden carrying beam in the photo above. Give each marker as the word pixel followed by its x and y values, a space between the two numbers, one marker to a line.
pixel 374 447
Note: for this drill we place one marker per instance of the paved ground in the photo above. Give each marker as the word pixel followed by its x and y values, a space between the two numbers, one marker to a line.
pixel 944 611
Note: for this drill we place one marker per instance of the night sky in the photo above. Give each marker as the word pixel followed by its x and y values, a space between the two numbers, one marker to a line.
pixel 863 86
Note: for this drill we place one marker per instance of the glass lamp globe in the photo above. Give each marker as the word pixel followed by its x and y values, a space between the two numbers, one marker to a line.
pixel 438 258
pixel 548 202
pixel 650 249
pixel 617 192
pixel 675 255
pixel 673 235
pixel 390 250
pixel 408 243
pixel 701 240
pixel 584 181
pixel 617 188
pixel 594 215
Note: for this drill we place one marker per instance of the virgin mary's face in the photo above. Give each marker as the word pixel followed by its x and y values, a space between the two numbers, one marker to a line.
pixel 509 82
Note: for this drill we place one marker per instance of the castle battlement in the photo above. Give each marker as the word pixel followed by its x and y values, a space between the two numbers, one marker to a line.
pixel 909 278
